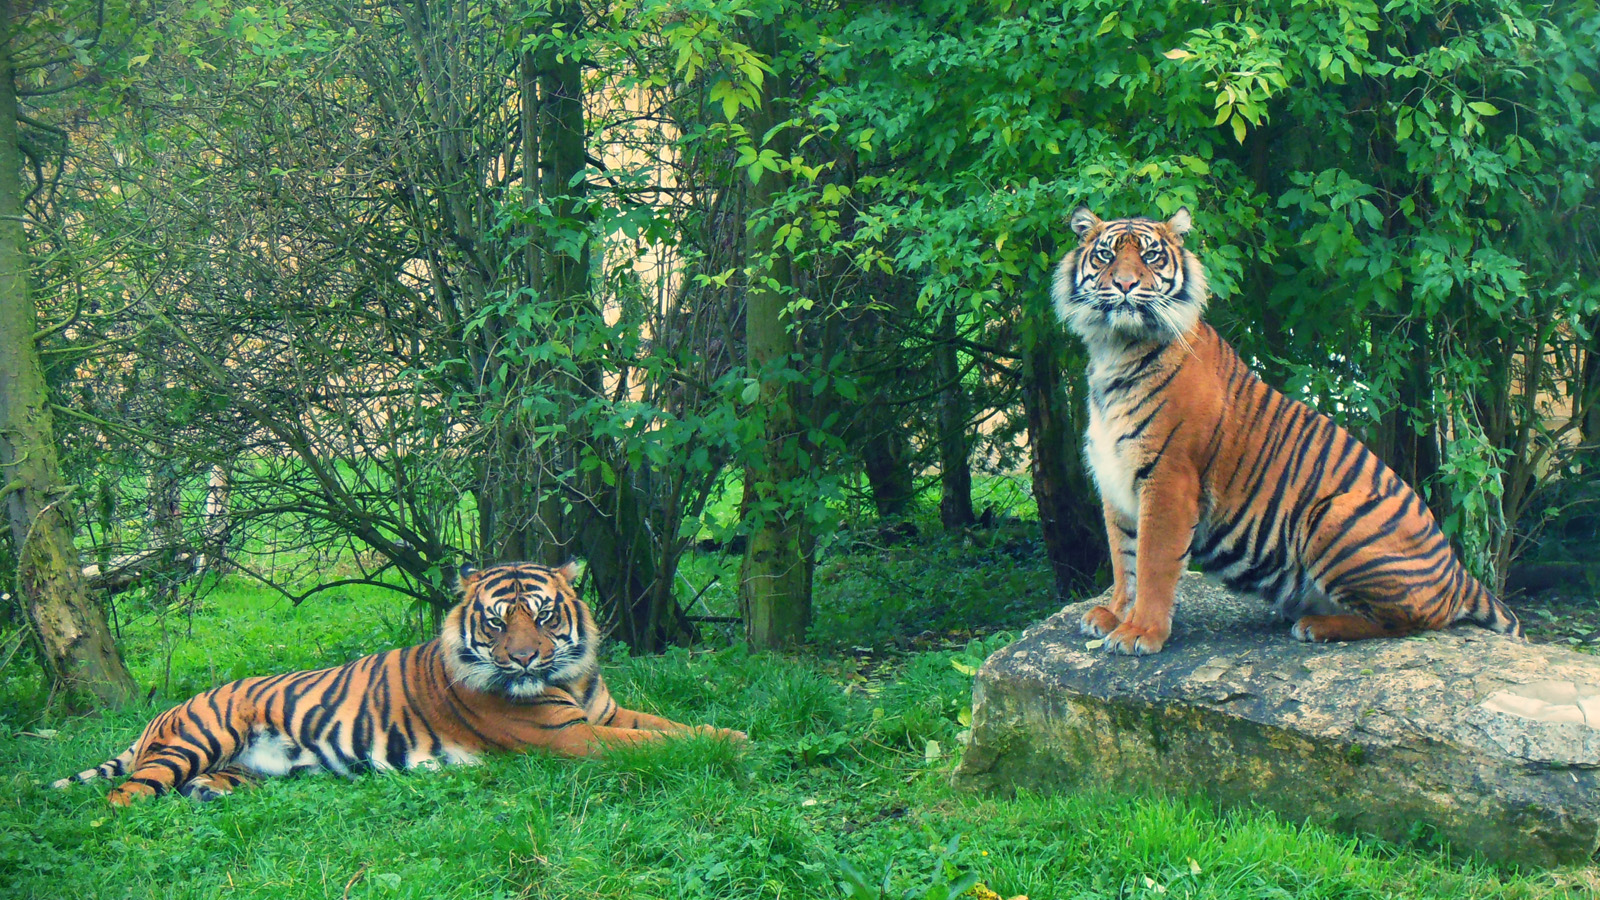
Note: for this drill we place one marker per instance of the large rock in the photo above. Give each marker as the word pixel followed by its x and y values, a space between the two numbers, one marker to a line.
pixel 1491 743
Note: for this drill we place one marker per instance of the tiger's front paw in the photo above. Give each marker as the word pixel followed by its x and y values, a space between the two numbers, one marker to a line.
pixel 723 734
pixel 1099 622
pixel 1130 640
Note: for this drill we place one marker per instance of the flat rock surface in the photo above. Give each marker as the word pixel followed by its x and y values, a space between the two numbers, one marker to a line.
pixel 1486 742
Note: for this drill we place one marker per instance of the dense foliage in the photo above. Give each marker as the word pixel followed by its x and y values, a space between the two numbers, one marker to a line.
pixel 417 283
pixel 1395 204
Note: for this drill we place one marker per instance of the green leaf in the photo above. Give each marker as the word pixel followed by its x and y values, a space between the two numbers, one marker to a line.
pixel 1483 109
pixel 1238 129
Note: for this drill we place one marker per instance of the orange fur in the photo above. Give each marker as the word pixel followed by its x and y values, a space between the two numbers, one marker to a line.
pixel 513 669
pixel 1196 458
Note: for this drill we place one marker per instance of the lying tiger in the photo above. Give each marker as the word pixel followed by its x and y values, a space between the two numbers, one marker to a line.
pixel 513 668
pixel 1196 458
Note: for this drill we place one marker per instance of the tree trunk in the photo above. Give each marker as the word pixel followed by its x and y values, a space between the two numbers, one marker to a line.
pixel 955 479
pixel 886 454
pixel 559 275
pixel 76 646
pixel 1069 514
pixel 775 585
pixel 605 520
pixel 163 532
pixel 218 526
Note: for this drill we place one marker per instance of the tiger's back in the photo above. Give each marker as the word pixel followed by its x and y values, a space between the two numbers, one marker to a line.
pixel 1197 458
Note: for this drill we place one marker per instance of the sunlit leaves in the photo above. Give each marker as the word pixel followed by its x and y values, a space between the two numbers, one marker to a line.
pixel 704 38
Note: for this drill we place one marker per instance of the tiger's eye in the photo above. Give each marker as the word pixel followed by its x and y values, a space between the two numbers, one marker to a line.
pixel 494 623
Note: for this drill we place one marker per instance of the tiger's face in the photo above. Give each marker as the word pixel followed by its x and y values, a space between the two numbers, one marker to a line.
pixel 1129 281
pixel 519 628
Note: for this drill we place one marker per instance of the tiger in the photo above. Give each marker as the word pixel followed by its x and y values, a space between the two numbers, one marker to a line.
pixel 1196 459
pixel 513 668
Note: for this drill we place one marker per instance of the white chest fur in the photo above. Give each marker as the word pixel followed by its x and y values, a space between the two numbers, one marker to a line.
pixel 1120 380
pixel 1113 461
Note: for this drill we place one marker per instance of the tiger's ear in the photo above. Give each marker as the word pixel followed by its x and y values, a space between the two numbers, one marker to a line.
pixel 1082 221
pixel 467 576
pixel 571 570
pixel 1181 222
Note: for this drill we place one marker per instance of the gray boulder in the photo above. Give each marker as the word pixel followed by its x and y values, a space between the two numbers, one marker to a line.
pixel 1488 743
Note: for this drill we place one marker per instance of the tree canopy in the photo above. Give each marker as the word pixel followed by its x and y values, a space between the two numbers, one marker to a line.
pixel 437 282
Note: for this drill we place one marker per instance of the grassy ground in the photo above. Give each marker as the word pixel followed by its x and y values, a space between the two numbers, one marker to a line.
pixel 851 748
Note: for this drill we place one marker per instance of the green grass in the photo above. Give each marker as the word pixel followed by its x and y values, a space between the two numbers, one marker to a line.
pixel 849 757
pixel 882 596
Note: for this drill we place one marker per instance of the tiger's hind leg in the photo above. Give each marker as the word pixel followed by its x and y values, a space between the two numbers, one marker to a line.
pixel 1322 629
pixel 1381 556
pixel 209 786
pixel 159 771
pixel 187 742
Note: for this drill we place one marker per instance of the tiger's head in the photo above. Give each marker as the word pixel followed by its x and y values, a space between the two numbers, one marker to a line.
pixel 518 628
pixel 1130 280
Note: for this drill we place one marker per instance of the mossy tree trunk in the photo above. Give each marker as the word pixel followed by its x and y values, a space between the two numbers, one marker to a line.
pixel 75 645
pixel 775 584
pixel 579 511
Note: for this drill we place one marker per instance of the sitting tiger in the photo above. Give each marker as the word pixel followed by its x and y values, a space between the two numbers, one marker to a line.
pixel 514 667
pixel 1196 458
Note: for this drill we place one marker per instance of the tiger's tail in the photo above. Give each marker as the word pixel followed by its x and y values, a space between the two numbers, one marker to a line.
pixel 117 765
pixel 1483 608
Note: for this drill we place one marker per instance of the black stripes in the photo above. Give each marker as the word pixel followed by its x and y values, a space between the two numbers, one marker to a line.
pixel 158 787
pixel 1292 503
pixel 1143 472
pixel 397 748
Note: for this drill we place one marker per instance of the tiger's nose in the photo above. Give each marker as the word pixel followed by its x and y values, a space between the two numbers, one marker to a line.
pixel 523 658
pixel 1125 284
